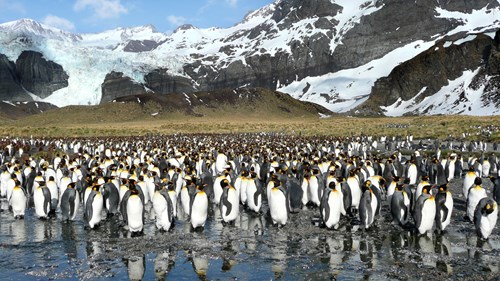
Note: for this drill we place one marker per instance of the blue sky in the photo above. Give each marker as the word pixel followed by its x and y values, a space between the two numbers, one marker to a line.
pixel 85 16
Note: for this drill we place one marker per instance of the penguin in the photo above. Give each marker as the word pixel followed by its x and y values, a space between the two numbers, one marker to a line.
pixel 496 188
pixel 229 203
pixel 391 188
pixel 18 201
pixel 173 196
pixel 346 197
pixel 217 188
pixel 368 205
pixel 355 189
pixel 469 179
pixel 425 211
pixel 254 193
pixel 476 193
pixel 93 207
pixel 198 212
pixel 412 172
pixel 485 217
pixel 132 209
pixel 111 197
pixel 423 182
pixel 54 195
pixel 444 207
pixel 400 206
pixel 185 196
pixel 331 206
pixel 165 220
pixel 41 199
pixel 294 192
pixel 315 189
pixel 70 201
pixel 278 206
pixel 241 186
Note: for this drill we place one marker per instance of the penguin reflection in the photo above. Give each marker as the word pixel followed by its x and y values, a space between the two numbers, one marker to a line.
pixel 200 265
pixel 135 267
pixel 163 264
pixel 478 251
pixel 443 248
pixel 230 248
pixel 279 254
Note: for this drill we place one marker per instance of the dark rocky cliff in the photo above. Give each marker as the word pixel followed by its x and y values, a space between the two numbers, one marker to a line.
pixel 40 76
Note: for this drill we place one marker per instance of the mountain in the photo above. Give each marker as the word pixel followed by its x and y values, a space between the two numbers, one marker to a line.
pixel 357 56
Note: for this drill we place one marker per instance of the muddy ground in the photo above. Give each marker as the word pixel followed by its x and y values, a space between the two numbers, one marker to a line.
pixel 252 249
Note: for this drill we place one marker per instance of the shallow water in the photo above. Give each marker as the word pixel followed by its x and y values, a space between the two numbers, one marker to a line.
pixel 252 249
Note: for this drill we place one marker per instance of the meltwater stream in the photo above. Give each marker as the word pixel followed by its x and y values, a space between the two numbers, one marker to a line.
pixel 252 249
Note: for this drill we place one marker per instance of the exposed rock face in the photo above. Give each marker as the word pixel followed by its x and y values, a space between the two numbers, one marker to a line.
pixel 434 68
pixel 10 86
pixel 39 76
pixel 117 85
pixel 136 46
pixel 161 82
pixel 16 110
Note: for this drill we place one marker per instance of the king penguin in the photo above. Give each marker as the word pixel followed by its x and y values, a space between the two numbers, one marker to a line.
pixel 476 193
pixel 41 199
pixel 229 202
pixel 254 193
pixel 93 207
pixel 111 197
pixel 400 206
pixel 496 188
pixel 278 206
pixel 331 206
pixel 425 211
pixel 132 209
pixel 469 178
pixel 70 201
pixel 198 212
pixel 485 217
pixel 18 201
pixel 368 205
pixel 444 207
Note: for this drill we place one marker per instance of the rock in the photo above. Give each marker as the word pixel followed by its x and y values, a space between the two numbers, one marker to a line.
pixel 40 76
pixel 137 46
pixel 117 85
pixel 443 63
pixel 10 86
pixel 161 82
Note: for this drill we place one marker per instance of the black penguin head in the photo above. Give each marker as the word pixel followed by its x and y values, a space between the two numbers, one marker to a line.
pixel 478 181
pixel 426 189
pixel 489 207
pixel 425 178
pixel 443 188
pixel 367 185
pixel 332 185
pixel 224 183
pixel 134 190
pixel 277 182
pixel 71 185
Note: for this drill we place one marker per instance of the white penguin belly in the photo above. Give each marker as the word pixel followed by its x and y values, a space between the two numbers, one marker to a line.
pixel 232 197
pixel 134 213
pixel 96 210
pixel 18 202
pixel 277 207
pixel 199 210
pixel 335 204
pixel 428 215
pixel 39 200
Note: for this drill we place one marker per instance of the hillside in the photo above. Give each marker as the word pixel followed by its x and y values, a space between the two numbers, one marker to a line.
pixel 336 53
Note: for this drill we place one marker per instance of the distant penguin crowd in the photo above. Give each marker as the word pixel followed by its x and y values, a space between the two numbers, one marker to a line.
pixel 168 178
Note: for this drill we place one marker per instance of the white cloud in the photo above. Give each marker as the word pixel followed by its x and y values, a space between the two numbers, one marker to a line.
pixel 58 22
pixel 176 20
pixel 103 9
pixel 13 6
pixel 232 3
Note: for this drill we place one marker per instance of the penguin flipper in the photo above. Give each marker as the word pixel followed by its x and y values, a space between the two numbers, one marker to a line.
pixel 47 199
pixel 123 206
pixel 326 206
pixel 170 209
pixel 88 207
pixel 282 189
pixel 225 202
pixel 71 198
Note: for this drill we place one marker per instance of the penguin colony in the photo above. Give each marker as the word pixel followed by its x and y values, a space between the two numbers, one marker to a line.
pixel 182 176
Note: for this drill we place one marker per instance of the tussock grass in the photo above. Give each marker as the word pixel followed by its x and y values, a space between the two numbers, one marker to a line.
pixel 132 119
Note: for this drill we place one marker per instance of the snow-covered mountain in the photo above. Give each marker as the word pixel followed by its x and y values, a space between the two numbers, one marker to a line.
pixel 342 54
